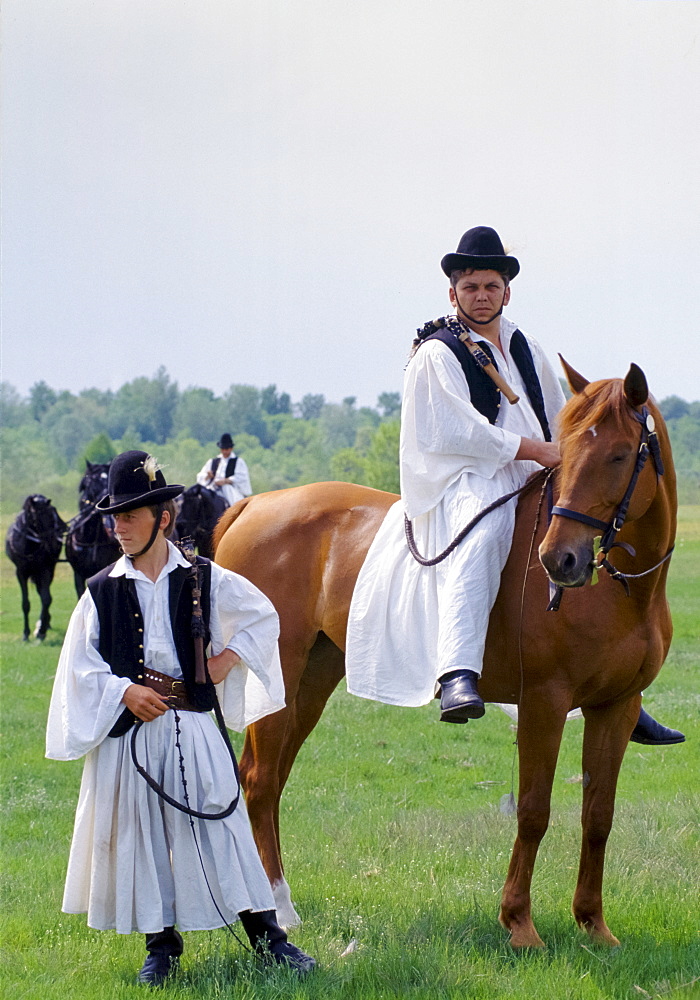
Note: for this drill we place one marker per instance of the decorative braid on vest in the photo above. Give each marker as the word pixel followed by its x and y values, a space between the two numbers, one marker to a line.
pixel 121 642
pixel 482 391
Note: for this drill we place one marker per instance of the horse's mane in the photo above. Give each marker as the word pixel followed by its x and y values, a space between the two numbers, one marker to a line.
pixel 598 401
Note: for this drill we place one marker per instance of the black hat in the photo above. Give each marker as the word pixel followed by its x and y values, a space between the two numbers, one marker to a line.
pixel 135 481
pixel 225 442
pixel 480 248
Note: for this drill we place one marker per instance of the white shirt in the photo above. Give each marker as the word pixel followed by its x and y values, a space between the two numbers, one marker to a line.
pixel 239 486
pixel 87 697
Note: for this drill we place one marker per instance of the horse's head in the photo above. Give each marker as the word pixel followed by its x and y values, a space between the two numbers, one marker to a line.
pixel 42 516
pixel 601 430
pixel 93 485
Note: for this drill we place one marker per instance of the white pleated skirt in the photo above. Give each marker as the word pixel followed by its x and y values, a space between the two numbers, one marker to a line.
pixel 133 862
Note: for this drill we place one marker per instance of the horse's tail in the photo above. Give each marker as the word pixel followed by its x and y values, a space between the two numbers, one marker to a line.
pixel 226 520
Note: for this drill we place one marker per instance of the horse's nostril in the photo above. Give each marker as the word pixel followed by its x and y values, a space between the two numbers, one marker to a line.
pixel 568 563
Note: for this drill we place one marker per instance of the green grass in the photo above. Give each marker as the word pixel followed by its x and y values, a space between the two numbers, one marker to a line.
pixel 393 838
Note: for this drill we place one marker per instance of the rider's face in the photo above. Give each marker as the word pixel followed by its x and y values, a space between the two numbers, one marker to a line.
pixel 226 452
pixel 480 294
pixel 133 529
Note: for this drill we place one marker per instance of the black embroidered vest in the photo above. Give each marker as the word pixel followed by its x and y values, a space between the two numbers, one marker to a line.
pixel 482 390
pixel 230 465
pixel 121 630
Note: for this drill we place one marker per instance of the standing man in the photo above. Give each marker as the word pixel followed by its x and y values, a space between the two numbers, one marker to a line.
pixel 129 667
pixel 227 473
pixel 461 448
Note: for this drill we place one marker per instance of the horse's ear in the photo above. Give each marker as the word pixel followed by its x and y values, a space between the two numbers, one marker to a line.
pixel 576 382
pixel 88 465
pixel 636 389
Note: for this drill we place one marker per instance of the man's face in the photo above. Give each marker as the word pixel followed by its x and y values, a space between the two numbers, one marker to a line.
pixel 133 529
pixel 226 452
pixel 480 294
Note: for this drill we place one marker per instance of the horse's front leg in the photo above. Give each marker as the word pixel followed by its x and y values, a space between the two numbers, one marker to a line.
pixel 22 580
pixel 607 732
pixel 43 588
pixel 540 728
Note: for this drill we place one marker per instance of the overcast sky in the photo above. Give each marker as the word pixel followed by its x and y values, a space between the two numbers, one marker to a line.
pixel 255 191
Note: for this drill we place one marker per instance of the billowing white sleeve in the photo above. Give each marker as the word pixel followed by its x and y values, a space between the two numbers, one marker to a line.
pixel 244 620
pixel 442 432
pixel 202 477
pixel 241 478
pixel 87 697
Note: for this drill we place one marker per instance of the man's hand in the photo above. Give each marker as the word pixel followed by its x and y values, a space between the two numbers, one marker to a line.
pixel 219 666
pixel 144 702
pixel 545 453
pixel 222 482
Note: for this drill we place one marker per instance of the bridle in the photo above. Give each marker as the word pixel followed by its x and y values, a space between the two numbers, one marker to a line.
pixel 648 445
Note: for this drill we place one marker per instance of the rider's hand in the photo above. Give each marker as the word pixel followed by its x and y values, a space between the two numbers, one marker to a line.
pixel 144 702
pixel 220 666
pixel 545 453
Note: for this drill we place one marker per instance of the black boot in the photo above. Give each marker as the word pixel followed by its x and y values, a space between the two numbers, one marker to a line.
pixel 459 699
pixel 270 941
pixel 653 734
pixel 164 950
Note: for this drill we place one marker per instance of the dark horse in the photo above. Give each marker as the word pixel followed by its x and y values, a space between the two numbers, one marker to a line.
pixel 200 510
pixel 33 543
pixel 90 542
pixel 304 548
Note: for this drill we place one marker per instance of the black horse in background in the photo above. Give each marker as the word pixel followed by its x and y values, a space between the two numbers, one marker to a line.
pixel 33 543
pixel 200 510
pixel 90 542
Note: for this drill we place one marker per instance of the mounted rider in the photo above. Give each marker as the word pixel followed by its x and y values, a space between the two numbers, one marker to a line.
pixel 227 473
pixel 413 630
pixel 129 667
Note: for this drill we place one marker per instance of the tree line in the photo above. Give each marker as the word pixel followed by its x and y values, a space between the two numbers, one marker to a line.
pixel 48 435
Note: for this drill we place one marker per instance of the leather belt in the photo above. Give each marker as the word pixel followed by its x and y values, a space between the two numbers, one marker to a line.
pixel 171 690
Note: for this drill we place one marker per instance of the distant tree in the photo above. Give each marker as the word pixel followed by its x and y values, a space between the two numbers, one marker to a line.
pixel 199 414
pixel 41 399
pixel 390 404
pixel 146 406
pixel 673 407
pixel 273 402
pixel 244 413
pixel 311 406
pixel 382 460
pixel 348 466
pixel 349 402
pixel 99 451
pixel 13 409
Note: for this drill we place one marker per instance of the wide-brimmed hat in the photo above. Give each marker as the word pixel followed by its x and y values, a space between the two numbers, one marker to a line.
pixel 480 248
pixel 135 481
pixel 225 442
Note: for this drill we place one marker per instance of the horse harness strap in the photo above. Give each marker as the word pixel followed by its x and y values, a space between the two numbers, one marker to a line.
pixel 648 445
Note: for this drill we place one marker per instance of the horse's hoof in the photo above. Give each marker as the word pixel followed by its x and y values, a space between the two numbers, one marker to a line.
pixel 522 935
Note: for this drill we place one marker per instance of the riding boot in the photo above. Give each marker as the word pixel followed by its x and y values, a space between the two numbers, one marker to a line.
pixel 270 941
pixel 459 699
pixel 651 733
pixel 164 949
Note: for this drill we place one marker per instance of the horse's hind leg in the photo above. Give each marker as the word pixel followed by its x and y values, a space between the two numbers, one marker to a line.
pixel 539 736
pixel 606 734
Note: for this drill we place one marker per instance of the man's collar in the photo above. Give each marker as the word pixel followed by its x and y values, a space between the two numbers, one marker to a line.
pixel 125 567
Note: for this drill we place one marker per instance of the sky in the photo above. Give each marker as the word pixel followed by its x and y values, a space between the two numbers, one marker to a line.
pixel 257 192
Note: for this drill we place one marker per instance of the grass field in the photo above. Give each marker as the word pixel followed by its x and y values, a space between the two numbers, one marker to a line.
pixel 393 840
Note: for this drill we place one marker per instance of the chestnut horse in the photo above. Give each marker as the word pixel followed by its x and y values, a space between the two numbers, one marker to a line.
pixel 304 548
